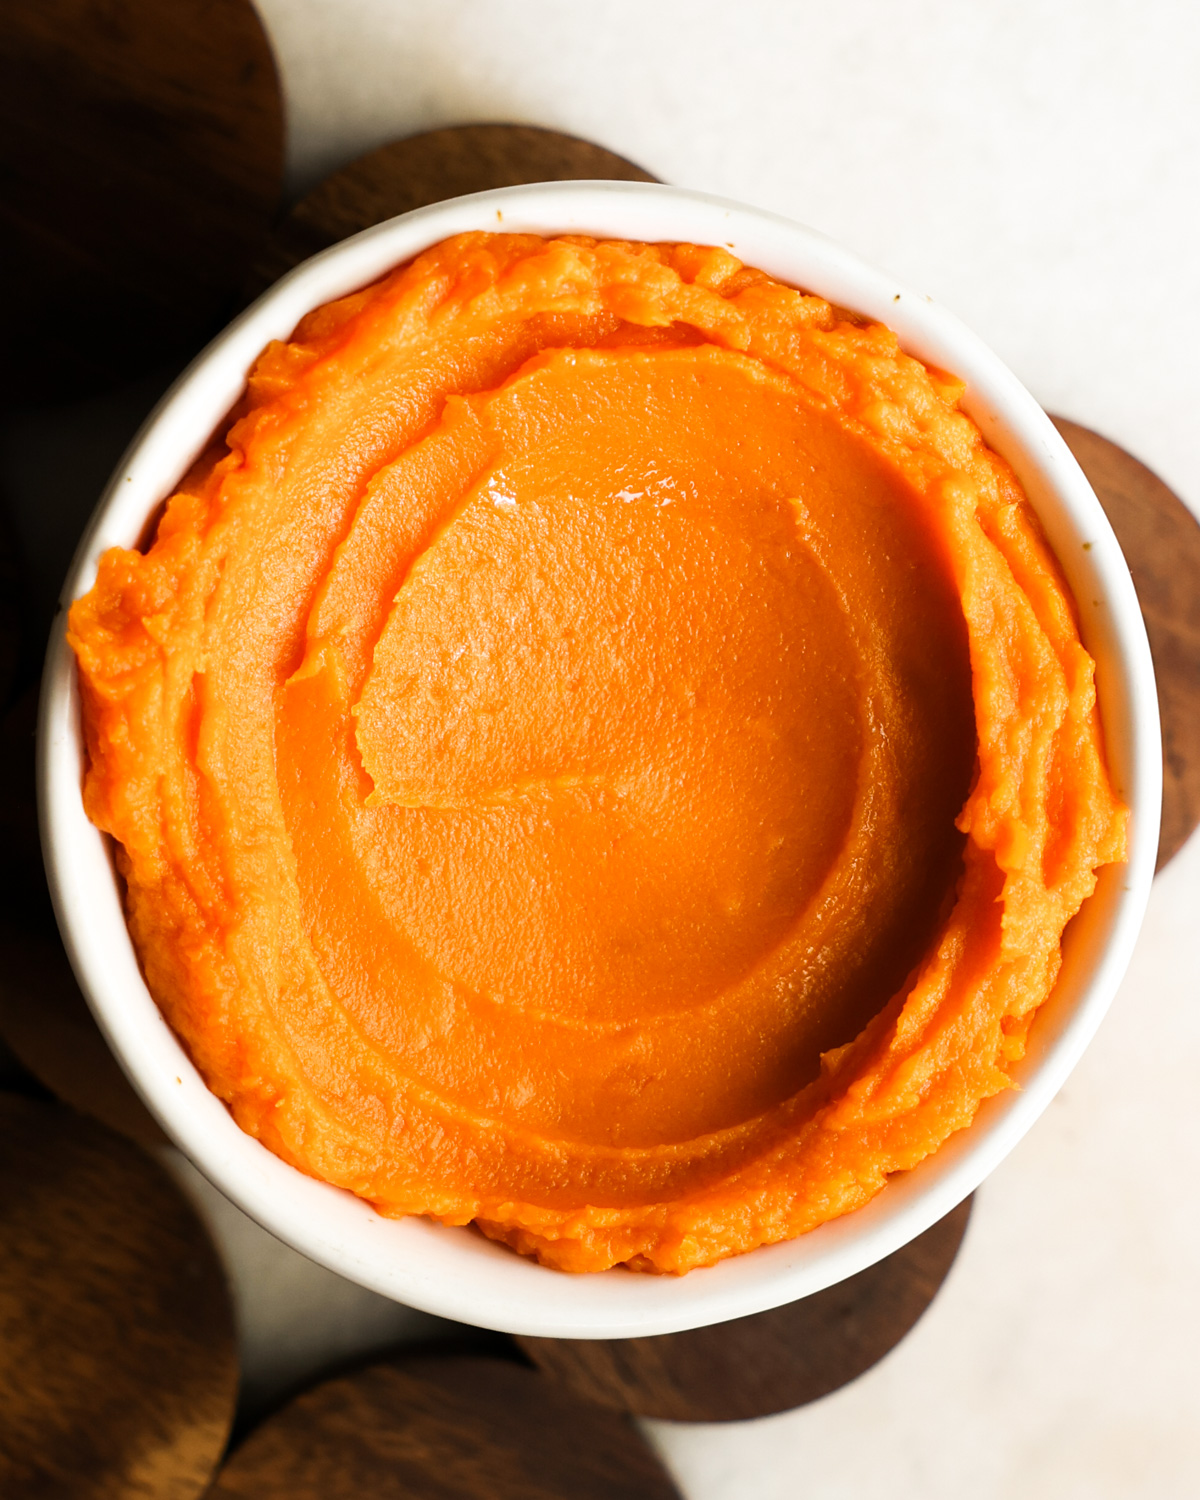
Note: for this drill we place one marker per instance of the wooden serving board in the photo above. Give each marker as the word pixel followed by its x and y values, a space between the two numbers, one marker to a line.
pixel 444 1428
pixel 141 151
pixel 118 1374
pixel 1160 538
pixel 44 1018
pixel 771 1362
pixel 426 169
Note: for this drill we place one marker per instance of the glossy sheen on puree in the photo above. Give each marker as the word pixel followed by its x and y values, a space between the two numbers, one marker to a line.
pixel 601 749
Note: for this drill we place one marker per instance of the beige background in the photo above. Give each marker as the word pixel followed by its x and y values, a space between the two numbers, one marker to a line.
pixel 1036 167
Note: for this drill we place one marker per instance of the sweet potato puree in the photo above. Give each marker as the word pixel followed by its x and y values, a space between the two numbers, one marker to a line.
pixel 601 749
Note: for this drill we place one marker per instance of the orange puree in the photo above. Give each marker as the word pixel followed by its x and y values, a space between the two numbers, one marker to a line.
pixel 602 750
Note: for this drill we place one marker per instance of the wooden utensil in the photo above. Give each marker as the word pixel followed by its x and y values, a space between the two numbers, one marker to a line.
pixel 118 1375
pixel 444 1428
pixel 141 149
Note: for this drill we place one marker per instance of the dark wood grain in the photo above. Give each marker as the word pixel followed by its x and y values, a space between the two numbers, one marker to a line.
pixel 426 169
pixel 44 1018
pixel 1161 541
pixel 444 1428
pixel 768 1363
pixel 45 1022
pixel 141 157
pixel 118 1374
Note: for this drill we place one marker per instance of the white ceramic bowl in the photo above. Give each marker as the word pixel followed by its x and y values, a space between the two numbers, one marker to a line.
pixel 456 1272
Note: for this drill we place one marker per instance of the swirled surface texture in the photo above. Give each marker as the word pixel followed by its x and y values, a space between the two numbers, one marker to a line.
pixel 600 748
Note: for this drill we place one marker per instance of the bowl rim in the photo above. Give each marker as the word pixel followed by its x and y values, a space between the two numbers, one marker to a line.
pixel 455 1272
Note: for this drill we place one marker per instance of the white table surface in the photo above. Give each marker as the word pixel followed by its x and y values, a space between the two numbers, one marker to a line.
pixel 1036 167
